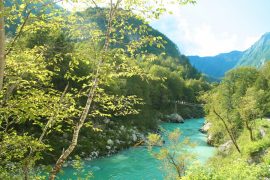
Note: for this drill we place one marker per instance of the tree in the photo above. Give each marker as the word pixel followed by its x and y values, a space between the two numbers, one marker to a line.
pixel 2 43
pixel 221 112
pixel 174 155
pixel 250 109
pixel 18 14
pixel 224 101
pixel 27 96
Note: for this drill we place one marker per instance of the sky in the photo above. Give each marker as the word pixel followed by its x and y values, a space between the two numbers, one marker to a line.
pixel 211 27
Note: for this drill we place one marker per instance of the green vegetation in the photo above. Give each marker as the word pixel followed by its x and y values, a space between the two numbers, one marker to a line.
pixel 72 85
pixel 235 109
pixel 175 157
pixel 253 163
pixel 90 83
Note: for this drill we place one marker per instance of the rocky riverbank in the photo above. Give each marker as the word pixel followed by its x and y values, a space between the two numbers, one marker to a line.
pixel 113 137
pixel 205 130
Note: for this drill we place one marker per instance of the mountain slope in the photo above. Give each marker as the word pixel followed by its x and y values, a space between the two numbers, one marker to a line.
pixel 170 49
pixel 257 54
pixel 98 15
pixel 216 66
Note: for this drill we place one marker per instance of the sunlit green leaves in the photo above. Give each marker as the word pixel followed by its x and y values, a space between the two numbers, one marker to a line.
pixel 174 154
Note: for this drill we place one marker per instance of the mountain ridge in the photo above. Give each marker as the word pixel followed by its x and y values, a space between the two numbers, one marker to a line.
pixel 226 62
pixel 217 66
pixel 257 54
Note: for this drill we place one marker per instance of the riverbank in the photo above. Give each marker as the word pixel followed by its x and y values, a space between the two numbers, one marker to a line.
pixel 252 162
pixel 115 137
pixel 137 163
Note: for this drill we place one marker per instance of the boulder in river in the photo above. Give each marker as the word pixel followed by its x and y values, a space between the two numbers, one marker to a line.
pixel 174 118
pixel 205 127
pixel 210 140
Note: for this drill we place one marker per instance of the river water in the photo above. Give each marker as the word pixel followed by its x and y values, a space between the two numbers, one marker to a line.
pixel 137 163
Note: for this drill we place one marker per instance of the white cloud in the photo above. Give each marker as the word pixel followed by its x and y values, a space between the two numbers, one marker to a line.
pixel 201 38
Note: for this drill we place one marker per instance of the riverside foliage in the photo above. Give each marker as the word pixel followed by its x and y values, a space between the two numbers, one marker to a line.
pixel 237 108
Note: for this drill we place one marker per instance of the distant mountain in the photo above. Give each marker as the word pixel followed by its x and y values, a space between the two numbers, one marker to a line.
pixel 217 66
pixel 257 54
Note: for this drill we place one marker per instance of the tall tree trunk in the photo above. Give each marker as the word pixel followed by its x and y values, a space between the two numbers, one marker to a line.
pixel 76 132
pixel 2 44
pixel 65 154
pixel 229 132
pixel 250 131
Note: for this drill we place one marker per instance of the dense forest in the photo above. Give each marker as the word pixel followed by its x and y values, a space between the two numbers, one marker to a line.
pixel 87 84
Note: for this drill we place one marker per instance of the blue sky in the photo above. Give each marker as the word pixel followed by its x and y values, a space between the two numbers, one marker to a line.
pixel 211 27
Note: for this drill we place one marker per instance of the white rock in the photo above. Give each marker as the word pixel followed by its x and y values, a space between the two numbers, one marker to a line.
pixel 88 159
pixel 106 121
pixel 210 139
pixel 206 127
pixel 94 154
pixel 175 118
pixel 262 132
pixel 225 147
pixel 122 128
pixel 110 142
pixel 134 137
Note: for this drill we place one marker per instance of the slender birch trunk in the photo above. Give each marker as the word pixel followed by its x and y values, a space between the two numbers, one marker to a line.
pixel 65 154
pixel 2 44
pixel 229 132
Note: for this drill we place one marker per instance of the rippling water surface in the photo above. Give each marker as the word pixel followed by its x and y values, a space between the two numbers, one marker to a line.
pixel 137 163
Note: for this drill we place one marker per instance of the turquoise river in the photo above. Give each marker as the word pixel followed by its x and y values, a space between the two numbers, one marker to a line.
pixel 137 163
